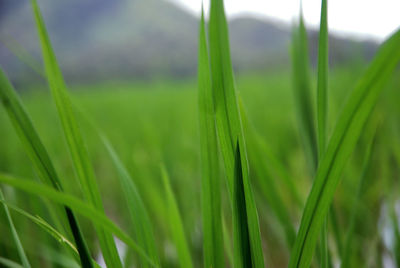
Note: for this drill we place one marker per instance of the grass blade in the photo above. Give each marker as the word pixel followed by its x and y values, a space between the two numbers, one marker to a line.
pixel 84 209
pixel 41 160
pixel 74 139
pixel 257 149
pixel 139 218
pixel 229 129
pixel 322 87
pixel 45 226
pixel 20 248
pixel 211 193
pixel 9 263
pixel 348 246
pixel 302 91
pixel 345 135
pixel 322 84
pixel 175 223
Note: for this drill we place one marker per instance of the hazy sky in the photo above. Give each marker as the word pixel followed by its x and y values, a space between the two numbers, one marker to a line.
pixel 364 18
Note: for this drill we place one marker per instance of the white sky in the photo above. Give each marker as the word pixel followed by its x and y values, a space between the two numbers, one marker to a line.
pixel 361 18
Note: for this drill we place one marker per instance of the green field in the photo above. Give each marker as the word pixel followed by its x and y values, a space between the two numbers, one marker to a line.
pixel 296 168
pixel 156 122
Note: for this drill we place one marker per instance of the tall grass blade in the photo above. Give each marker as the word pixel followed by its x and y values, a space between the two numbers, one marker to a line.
pixel 74 139
pixel 175 223
pixel 322 83
pixel 345 135
pixel 84 209
pixel 20 248
pixel 302 91
pixel 213 243
pixel 229 128
pixel 322 87
pixel 41 160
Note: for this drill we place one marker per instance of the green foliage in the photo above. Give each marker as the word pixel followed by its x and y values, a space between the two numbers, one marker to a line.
pixel 39 156
pixel 175 223
pixel 78 206
pixel 73 136
pixel 211 193
pixel 232 143
pixel 152 122
pixel 21 251
pixel 344 138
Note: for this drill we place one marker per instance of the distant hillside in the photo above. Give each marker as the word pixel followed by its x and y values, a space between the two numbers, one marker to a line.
pixel 124 39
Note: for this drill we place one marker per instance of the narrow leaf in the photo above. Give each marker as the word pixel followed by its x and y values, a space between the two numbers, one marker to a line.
pixel 84 209
pixel 211 193
pixel 20 248
pixel 175 223
pixel 229 128
pixel 322 103
pixel 76 146
pixel 41 160
pixel 344 138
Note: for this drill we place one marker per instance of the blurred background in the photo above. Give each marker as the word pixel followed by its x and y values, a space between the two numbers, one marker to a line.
pixel 131 66
pixel 142 39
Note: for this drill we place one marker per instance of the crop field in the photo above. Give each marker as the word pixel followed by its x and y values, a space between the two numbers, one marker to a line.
pixel 282 168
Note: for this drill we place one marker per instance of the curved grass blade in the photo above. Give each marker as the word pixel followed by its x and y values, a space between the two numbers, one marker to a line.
pixel 175 223
pixel 345 135
pixel 229 130
pixel 9 263
pixel 20 248
pixel 86 210
pixel 74 139
pixel 45 226
pixel 143 228
pixel 41 160
pixel 213 247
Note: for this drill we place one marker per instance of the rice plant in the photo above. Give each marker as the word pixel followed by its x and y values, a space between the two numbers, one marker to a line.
pixel 212 184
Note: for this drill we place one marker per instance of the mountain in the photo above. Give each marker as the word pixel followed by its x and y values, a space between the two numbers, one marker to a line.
pixel 141 39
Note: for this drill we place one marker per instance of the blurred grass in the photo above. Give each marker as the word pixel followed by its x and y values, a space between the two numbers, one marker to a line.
pixel 166 128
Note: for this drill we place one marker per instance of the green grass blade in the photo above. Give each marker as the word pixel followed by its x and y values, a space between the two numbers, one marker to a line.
pixel 20 248
pixel 40 158
pixel 261 165
pixel 175 223
pixel 322 87
pixel 242 248
pixel 302 91
pixel 84 209
pixel 45 226
pixel 22 54
pixel 143 228
pixel 211 193
pixel 229 128
pixel 77 148
pixel 322 84
pixel 9 263
pixel 345 135
pixel 349 242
